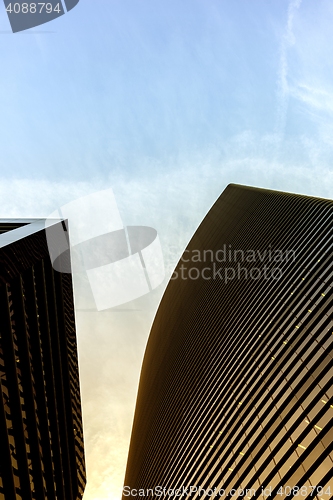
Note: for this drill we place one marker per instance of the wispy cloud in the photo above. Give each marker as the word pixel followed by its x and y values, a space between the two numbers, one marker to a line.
pixel 111 344
pixel 288 40
pixel 305 92
pixel 315 98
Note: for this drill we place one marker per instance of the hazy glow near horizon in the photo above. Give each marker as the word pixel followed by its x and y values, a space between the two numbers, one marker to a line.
pixel 167 103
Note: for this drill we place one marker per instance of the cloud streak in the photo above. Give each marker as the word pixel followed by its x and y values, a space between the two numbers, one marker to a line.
pixel 111 344
pixel 288 40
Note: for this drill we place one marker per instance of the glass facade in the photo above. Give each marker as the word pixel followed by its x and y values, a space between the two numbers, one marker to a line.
pixel 235 397
pixel 41 438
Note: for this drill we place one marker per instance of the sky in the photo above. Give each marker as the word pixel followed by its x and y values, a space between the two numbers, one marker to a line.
pixel 166 103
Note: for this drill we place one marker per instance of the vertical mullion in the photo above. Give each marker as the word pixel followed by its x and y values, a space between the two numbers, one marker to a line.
pixel 14 395
pixel 64 351
pixel 27 383
pixel 39 377
pixel 5 456
pixel 59 380
pixel 44 321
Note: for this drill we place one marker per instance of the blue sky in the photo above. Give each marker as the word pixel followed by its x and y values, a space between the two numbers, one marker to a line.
pixel 166 102
pixel 134 89
pixel 120 82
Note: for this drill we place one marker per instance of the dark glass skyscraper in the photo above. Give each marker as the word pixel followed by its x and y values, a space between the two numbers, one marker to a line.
pixel 235 396
pixel 41 438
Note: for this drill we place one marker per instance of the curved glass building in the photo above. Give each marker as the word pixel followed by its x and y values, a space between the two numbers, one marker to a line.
pixel 235 397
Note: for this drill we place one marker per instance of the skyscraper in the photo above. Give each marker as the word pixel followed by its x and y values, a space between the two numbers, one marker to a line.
pixel 235 396
pixel 41 438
